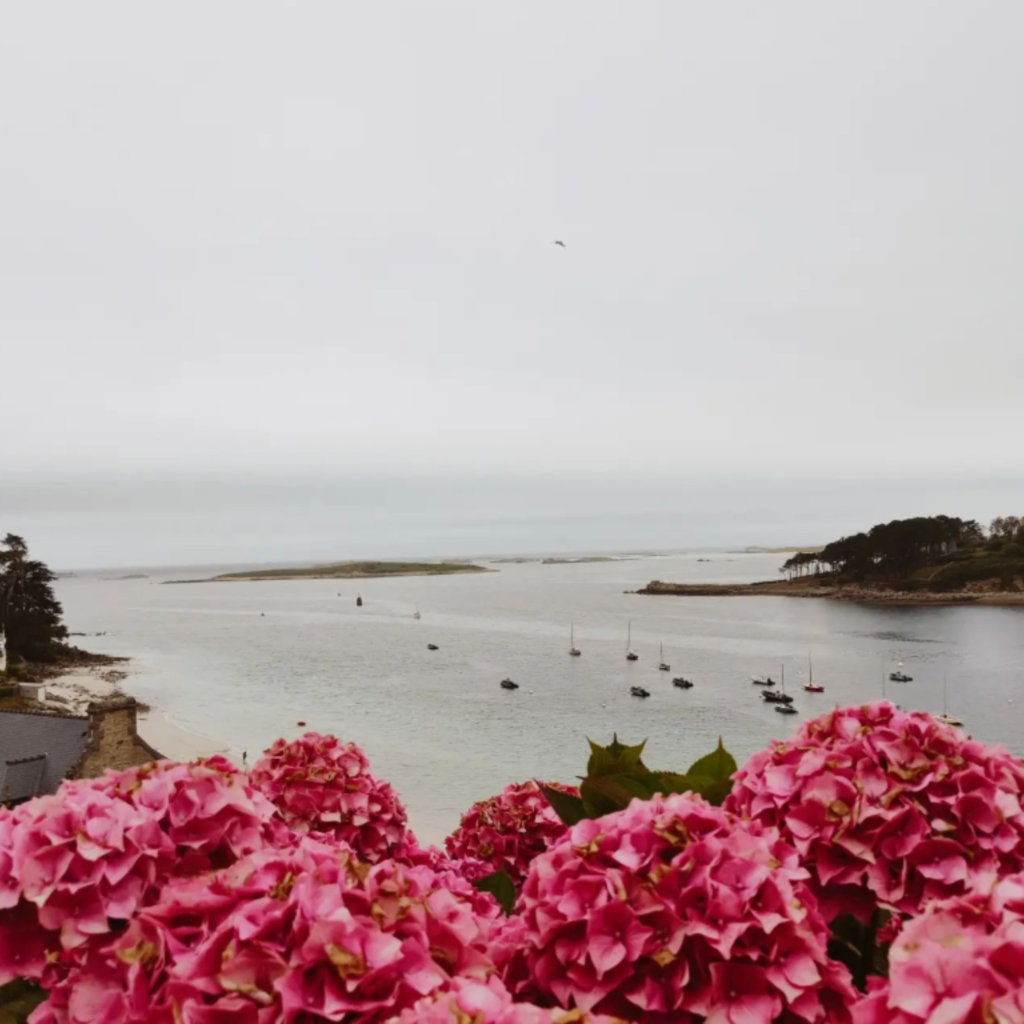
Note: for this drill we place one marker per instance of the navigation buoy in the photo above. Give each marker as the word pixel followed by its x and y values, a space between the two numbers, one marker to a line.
pixel 301 723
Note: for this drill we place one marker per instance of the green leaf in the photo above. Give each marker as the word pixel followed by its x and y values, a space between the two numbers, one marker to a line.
pixel 608 793
pixel 18 999
pixel 569 808
pixel 673 782
pixel 719 764
pixel 615 759
pixel 501 887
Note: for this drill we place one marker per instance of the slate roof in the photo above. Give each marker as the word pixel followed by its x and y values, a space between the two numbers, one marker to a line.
pixel 38 750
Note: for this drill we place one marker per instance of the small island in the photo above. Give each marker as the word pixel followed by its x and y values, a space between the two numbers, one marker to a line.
pixel 582 560
pixel 929 560
pixel 344 571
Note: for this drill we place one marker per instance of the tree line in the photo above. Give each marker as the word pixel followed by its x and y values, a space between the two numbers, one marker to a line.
pixel 30 614
pixel 896 548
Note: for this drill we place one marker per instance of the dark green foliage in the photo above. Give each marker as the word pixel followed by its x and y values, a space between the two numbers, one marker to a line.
pixel 905 550
pixel 616 775
pixel 30 615
pixel 856 945
pixel 18 999
pixel 501 887
pixel 985 565
pixel 569 808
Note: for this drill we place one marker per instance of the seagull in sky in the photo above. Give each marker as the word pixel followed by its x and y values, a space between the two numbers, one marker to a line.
pixel 562 244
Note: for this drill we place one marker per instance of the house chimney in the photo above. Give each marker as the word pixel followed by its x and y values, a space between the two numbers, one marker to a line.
pixel 114 741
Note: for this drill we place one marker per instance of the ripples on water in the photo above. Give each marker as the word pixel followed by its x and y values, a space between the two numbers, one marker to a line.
pixel 437 725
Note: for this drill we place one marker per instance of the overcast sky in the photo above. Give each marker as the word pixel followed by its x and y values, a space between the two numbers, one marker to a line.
pixel 271 242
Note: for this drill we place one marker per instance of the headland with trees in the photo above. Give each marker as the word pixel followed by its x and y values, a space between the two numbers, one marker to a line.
pixel 923 560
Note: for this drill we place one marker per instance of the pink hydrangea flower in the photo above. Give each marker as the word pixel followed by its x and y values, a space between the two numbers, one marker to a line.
pixel 98 850
pixel 469 1001
pixel 507 831
pixel 959 962
pixel 307 933
pixel 671 910
pixel 323 786
pixel 887 807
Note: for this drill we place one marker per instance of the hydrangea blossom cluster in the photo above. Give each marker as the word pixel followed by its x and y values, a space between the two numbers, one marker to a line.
pixel 673 911
pixel 507 831
pixel 959 962
pixel 887 807
pixel 98 850
pixel 305 933
pixel 323 786
pixel 487 1002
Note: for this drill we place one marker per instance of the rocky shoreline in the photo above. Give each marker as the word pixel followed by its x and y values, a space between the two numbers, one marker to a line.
pixel 979 595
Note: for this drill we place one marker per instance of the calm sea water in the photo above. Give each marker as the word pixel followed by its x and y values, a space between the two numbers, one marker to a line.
pixel 437 725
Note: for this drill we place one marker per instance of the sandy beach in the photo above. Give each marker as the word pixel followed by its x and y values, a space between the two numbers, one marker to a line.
pixel 74 691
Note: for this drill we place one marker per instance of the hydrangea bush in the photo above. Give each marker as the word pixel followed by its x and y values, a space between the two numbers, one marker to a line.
pixel 323 786
pixel 505 832
pixel 959 962
pixel 674 910
pixel 200 894
pixel 887 808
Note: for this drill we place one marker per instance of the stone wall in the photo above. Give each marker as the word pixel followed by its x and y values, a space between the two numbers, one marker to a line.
pixel 114 741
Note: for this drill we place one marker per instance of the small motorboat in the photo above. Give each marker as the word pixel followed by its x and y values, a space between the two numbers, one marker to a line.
pixel 763 681
pixel 432 647
pixel 663 665
pixel 777 698
pixel 638 691
pixel 948 720
pixel 507 684
pixel 900 677
pixel 682 683
pixel 785 709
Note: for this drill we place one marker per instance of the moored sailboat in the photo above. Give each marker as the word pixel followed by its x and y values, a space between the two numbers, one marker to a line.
pixel 810 687
pixel 946 718
pixel 574 651
pixel 631 655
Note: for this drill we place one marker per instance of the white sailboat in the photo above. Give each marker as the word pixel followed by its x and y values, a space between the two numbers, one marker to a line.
pixel 416 614
pixel 946 718
pixel 810 687
pixel 631 655
pixel 663 665
pixel 574 651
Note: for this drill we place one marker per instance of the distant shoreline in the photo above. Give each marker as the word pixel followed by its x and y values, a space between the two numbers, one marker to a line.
pixel 345 571
pixel 837 592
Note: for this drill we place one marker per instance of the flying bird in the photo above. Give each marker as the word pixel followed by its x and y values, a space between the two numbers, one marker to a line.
pixel 562 244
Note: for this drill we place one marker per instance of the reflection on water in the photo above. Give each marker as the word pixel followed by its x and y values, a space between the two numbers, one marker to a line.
pixel 244 662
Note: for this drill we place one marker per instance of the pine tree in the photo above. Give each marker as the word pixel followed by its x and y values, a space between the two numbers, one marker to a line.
pixel 30 615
